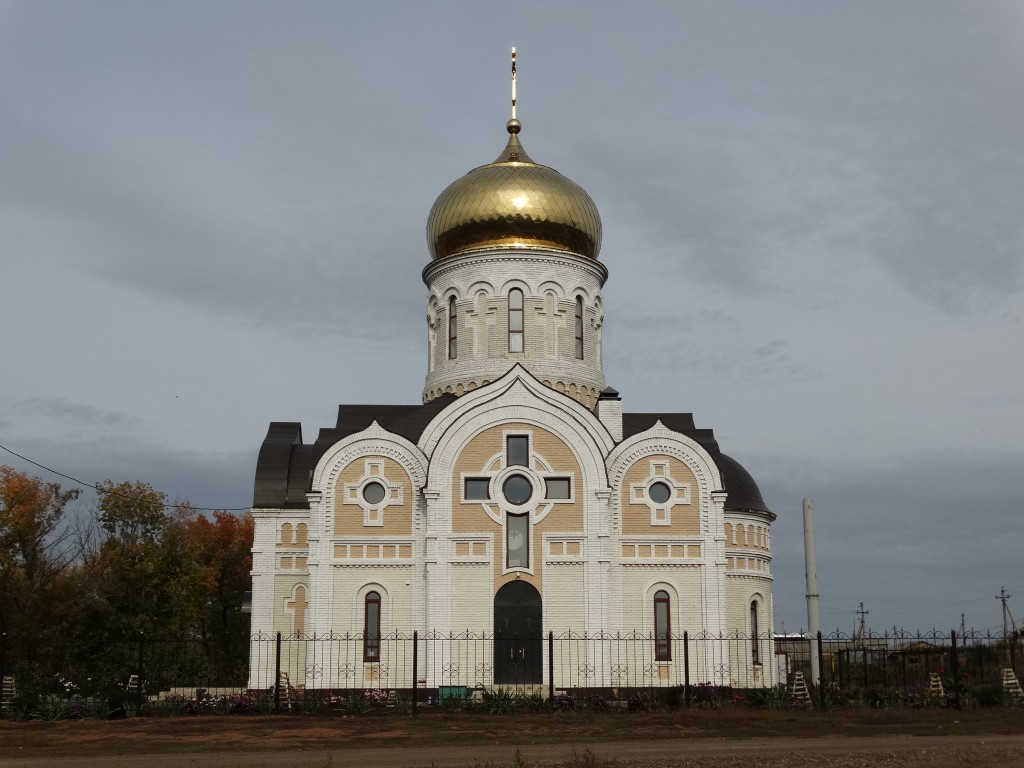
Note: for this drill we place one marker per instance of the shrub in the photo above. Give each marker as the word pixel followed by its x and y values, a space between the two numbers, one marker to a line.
pixel 768 698
pixel 51 707
pixel 357 704
pixel 311 702
pixel 263 703
pixel 990 696
pixel 500 701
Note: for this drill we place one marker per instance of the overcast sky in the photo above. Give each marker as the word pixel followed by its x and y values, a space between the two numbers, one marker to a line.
pixel 212 217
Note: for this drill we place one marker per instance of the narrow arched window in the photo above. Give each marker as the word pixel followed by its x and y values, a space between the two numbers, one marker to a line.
pixel 453 330
pixel 579 327
pixel 371 629
pixel 662 627
pixel 755 651
pixel 515 320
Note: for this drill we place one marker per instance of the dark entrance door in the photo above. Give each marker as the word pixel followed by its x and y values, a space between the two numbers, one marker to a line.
pixel 517 635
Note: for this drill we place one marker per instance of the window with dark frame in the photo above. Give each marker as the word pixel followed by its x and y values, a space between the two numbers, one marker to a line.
pixel 515 320
pixel 477 489
pixel 557 488
pixel 662 627
pixel 755 651
pixel 371 628
pixel 517 450
pixel 517 541
pixel 453 330
pixel 579 327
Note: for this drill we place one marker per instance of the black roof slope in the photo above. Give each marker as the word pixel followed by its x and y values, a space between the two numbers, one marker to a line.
pixel 284 470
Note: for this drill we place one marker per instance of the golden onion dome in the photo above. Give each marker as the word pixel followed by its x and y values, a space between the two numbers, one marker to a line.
pixel 514 202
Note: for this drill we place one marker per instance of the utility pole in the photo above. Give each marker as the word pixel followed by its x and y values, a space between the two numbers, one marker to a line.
pixel 1008 620
pixel 859 634
pixel 811 572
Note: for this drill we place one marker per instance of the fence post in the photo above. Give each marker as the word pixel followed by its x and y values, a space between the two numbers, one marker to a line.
pixel 1012 643
pixel 686 668
pixel 864 665
pixel 277 674
pixel 821 677
pixel 954 662
pixel 415 667
pixel 139 693
pixel 3 667
pixel 551 666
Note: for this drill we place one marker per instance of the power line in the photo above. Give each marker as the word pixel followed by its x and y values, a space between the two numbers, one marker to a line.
pixel 98 489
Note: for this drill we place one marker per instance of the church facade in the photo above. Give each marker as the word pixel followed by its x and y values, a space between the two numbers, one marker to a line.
pixel 518 498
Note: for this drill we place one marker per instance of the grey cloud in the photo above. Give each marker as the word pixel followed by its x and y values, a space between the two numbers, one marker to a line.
pixel 893 536
pixel 76 414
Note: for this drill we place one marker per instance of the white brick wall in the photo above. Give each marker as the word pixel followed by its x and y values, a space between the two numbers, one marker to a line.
pixel 482 308
pixel 597 591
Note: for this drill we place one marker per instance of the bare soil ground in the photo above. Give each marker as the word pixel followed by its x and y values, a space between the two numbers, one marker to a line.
pixel 714 738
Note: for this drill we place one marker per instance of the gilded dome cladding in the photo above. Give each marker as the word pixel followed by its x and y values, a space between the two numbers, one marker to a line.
pixel 514 202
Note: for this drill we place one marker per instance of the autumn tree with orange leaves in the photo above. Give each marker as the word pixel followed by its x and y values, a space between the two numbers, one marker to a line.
pixel 138 567
pixel 35 551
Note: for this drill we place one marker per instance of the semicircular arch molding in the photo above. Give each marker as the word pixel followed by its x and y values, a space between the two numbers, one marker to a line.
pixel 372 441
pixel 478 286
pixel 522 285
pixel 577 441
pixel 661 440
pixel 451 292
pixel 550 286
pixel 516 397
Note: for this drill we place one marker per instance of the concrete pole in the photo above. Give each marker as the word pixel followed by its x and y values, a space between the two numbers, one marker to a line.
pixel 813 610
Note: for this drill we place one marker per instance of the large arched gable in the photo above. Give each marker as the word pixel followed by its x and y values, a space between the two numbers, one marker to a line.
pixel 372 441
pixel 661 441
pixel 517 396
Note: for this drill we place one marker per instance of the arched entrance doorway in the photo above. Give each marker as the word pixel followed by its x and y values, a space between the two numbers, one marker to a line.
pixel 518 647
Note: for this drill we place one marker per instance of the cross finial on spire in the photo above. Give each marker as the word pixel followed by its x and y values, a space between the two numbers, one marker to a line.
pixel 513 82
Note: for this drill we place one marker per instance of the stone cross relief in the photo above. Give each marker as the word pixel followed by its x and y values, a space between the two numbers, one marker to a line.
pixel 431 339
pixel 550 322
pixel 480 319
pixel 298 608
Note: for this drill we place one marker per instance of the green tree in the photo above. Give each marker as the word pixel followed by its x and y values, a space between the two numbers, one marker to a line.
pixel 134 568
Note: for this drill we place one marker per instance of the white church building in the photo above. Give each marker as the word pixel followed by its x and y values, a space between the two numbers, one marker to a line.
pixel 519 517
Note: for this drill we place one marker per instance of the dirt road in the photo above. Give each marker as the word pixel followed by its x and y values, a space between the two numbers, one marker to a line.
pixel 1006 751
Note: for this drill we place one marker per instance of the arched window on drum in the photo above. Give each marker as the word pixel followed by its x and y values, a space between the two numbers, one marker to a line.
pixel 516 342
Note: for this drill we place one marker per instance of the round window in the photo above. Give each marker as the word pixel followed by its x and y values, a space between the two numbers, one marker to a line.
pixel 659 493
pixel 373 493
pixel 517 490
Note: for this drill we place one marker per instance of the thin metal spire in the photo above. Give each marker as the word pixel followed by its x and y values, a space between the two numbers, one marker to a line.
pixel 513 83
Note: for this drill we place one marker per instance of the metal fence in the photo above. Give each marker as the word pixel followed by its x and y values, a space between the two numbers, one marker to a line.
pixel 883 669
pixel 904 667
pixel 467 660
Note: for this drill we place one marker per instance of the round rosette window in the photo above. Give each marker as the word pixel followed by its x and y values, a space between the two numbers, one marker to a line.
pixel 517 489
pixel 373 493
pixel 659 492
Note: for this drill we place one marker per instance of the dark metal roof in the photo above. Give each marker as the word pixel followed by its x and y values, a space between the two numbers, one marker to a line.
pixel 284 470
pixel 275 464
pixel 742 492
